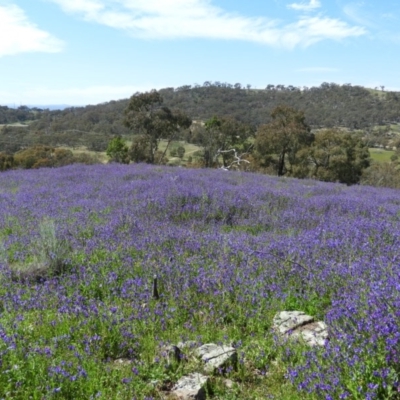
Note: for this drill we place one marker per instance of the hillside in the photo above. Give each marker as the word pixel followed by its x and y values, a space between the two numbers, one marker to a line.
pixel 80 247
pixel 21 114
pixel 329 105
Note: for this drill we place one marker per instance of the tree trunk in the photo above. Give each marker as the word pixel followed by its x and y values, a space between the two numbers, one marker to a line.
pixel 281 164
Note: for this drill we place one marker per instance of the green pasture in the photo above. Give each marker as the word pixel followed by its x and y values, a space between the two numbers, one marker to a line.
pixel 190 150
pixel 381 155
pixel 101 155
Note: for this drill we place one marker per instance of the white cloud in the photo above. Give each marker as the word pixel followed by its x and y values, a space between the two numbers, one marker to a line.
pixel 19 35
pixel 310 30
pixel 169 19
pixel 357 13
pixel 312 5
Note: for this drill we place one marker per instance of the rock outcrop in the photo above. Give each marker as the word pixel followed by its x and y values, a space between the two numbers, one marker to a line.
pixel 298 325
pixel 190 387
pixel 217 359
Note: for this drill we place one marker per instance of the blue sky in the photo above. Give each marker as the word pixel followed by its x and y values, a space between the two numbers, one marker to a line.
pixel 82 52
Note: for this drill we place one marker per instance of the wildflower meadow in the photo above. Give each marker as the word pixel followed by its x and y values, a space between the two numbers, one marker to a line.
pixel 80 245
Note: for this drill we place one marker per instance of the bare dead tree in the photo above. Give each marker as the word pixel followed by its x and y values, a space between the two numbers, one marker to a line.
pixel 238 158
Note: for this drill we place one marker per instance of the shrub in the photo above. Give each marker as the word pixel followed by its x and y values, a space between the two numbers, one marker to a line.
pixel 117 150
pixel 50 255
pixel 6 161
pixel 180 152
pixel 43 156
pixel 382 175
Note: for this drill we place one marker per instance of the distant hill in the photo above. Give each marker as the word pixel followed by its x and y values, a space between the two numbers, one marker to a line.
pixel 51 106
pixel 43 106
pixel 328 105
pixel 21 114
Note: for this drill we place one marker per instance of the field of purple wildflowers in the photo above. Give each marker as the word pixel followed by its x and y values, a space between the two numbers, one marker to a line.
pixel 230 249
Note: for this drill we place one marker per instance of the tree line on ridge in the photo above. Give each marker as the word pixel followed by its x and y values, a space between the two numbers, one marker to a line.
pixel 236 126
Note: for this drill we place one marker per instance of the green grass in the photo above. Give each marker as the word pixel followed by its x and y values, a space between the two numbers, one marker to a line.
pixel 59 340
pixel 381 155
pixel 190 149
pixel 380 93
pixel 395 128
pixel 115 328
pixel 261 370
pixel 101 155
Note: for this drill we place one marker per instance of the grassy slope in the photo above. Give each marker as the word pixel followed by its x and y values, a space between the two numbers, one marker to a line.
pixel 381 155
pixel 200 232
pixel 101 155
pixel 189 150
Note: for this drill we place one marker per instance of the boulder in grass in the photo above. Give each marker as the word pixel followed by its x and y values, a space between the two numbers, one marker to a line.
pixel 297 324
pixel 217 357
pixel 191 387
pixel 174 354
pixel 286 321
pixel 314 334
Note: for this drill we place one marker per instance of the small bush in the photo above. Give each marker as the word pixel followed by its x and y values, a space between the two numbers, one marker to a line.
pixel 180 152
pixel 382 175
pixel 43 156
pixel 173 153
pixel 6 161
pixel 50 256
pixel 118 151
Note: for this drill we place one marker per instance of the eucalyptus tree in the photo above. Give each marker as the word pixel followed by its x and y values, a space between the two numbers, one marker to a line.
pixel 221 137
pixel 338 156
pixel 279 142
pixel 146 116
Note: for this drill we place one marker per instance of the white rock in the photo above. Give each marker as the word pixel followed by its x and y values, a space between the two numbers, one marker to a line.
pixel 122 361
pixel 314 334
pixel 228 383
pixel 190 387
pixel 216 357
pixel 297 324
pixel 286 321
